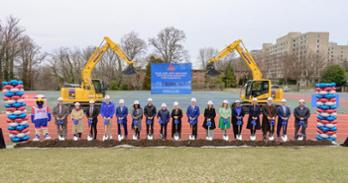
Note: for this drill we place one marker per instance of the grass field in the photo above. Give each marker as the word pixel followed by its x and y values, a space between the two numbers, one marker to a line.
pixel 310 164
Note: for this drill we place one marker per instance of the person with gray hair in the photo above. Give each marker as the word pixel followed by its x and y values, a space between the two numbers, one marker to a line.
pixel 60 114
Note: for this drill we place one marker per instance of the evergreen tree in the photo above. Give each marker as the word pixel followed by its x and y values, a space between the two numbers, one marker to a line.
pixel 334 73
pixel 147 79
pixel 229 78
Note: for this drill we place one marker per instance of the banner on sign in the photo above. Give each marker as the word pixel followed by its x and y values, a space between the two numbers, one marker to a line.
pixel 171 78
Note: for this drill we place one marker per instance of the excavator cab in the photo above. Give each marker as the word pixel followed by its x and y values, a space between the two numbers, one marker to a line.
pixel 259 89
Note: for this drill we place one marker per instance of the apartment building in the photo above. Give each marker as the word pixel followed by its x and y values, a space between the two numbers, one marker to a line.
pixel 338 54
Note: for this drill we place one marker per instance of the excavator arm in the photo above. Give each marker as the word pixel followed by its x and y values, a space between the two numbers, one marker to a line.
pixel 245 55
pixel 96 56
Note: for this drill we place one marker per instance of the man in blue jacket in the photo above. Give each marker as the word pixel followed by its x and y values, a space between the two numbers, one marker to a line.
pixel 121 118
pixel 107 110
pixel 283 112
pixel 192 117
pixel 163 119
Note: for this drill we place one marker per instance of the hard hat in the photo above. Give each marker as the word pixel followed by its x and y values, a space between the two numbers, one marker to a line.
pixel 107 97
pixel 269 99
pixel 136 101
pixel 210 102
pixel 40 98
pixel 121 101
pixel 225 101
pixel 283 100
pixel 77 104
pixel 237 101
pixel 163 105
pixel 60 99
pixel 91 101
pixel 176 103
pixel 301 100
pixel 255 99
pixel 149 99
pixel 193 100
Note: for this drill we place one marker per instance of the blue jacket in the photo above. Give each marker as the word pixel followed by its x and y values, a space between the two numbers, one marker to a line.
pixel 282 113
pixel 107 110
pixel 164 115
pixel 193 113
pixel 122 113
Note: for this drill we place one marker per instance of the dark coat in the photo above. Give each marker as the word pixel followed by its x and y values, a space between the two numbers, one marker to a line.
pixel 150 111
pixel 176 113
pixel 303 112
pixel 163 115
pixel 122 113
pixel 283 114
pixel 254 111
pixel 211 114
pixel 268 111
pixel 94 114
pixel 235 115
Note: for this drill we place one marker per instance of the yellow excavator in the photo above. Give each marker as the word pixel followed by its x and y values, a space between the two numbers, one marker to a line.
pixel 93 89
pixel 258 87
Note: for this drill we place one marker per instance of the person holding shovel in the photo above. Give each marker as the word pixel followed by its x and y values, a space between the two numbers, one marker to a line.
pixel 237 120
pixel 283 112
pixel 224 121
pixel 121 118
pixel 254 119
pixel 60 114
pixel 163 119
pixel 176 115
pixel 193 113
pixel 150 113
pixel 92 115
pixel 269 113
pixel 77 115
pixel 137 115
pixel 209 120
pixel 301 113
pixel 107 110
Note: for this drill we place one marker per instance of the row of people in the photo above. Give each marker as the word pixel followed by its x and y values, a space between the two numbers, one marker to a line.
pixel 273 117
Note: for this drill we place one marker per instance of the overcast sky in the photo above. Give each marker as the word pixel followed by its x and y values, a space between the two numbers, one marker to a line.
pixel 207 23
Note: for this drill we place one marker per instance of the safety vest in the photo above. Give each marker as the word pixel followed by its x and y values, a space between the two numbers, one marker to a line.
pixel 40 113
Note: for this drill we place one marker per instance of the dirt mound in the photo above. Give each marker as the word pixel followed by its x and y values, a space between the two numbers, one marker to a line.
pixel 167 143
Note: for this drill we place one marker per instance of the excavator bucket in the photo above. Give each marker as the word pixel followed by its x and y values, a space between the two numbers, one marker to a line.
pixel 211 71
pixel 130 70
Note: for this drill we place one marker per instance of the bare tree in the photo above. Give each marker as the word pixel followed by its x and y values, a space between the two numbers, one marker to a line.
pixel 312 68
pixel 132 45
pixel 291 67
pixel 205 54
pixel 168 44
pixel 10 38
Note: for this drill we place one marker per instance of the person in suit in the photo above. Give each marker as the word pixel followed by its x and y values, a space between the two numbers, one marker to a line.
pixel 150 113
pixel 92 115
pixel 269 113
pixel 209 120
pixel 60 114
pixel 176 115
pixel 237 119
pixel 254 119
pixel 121 118
pixel 192 117
pixel 283 113
pixel 163 116
pixel 301 113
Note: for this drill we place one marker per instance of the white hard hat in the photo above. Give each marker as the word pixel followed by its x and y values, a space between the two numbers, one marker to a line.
pixel 237 101
pixel 210 102
pixel 107 97
pixel 193 100
pixel 269 99
pixel 136 101
pixel 60 99
pixel 163 105
pixel 77 104
pixel 225 101
pixel 149 99
pixel 283 100
pixel 91 101
pixel 301 100
pixel 254 99
pixel 121 101
pixel 176 103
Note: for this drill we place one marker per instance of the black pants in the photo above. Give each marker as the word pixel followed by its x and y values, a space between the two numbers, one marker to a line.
pixel 137 132
pixel 177 129
pixel 93 130
pixel 149 128
pixel 303 130
pixel 124 128
pixel 194 130
pixel 163 131
pixel 267 128
pixel 236 131
pixel 280 127
pixel 252 131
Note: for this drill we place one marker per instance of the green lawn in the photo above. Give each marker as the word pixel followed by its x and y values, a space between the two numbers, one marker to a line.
pixel 273 164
